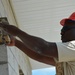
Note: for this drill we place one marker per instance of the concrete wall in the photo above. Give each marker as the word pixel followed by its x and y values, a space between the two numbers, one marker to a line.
pixel 17 60
pixel 3 61
pixel 12 60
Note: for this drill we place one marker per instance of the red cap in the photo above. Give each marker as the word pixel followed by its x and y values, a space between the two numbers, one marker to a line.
pixel 72 17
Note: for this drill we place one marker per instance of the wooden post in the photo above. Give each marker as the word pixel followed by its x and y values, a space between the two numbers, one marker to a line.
pixel 59 69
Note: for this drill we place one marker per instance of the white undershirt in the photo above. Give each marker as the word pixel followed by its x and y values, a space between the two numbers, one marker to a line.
pixel 66 54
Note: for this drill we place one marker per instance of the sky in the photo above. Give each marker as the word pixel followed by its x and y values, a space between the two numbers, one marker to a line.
pixel 46 71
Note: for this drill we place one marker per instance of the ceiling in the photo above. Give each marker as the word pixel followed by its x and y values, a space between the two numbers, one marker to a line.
pixel 42 18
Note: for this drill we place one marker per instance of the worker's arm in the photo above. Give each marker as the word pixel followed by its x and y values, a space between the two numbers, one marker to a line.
pixel 39 45
pixel 30 53
pixel 34 55
pixel 35 44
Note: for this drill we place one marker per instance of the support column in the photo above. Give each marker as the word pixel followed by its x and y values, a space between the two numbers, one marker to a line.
pixel 3 60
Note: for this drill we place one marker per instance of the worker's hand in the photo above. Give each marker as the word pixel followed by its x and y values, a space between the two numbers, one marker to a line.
pixel 12 41
pixel 13 30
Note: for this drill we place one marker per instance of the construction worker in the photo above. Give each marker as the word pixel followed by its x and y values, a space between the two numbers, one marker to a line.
pixel 48 52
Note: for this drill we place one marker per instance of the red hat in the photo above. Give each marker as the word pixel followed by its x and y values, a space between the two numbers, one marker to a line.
pixel 72 17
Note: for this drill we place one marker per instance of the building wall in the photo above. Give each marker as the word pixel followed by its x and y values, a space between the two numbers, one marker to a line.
pixel 17 60
pixel 12 60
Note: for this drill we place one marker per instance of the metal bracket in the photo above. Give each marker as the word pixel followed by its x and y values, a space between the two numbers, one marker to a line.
pixel 4 20
pixel 3 62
